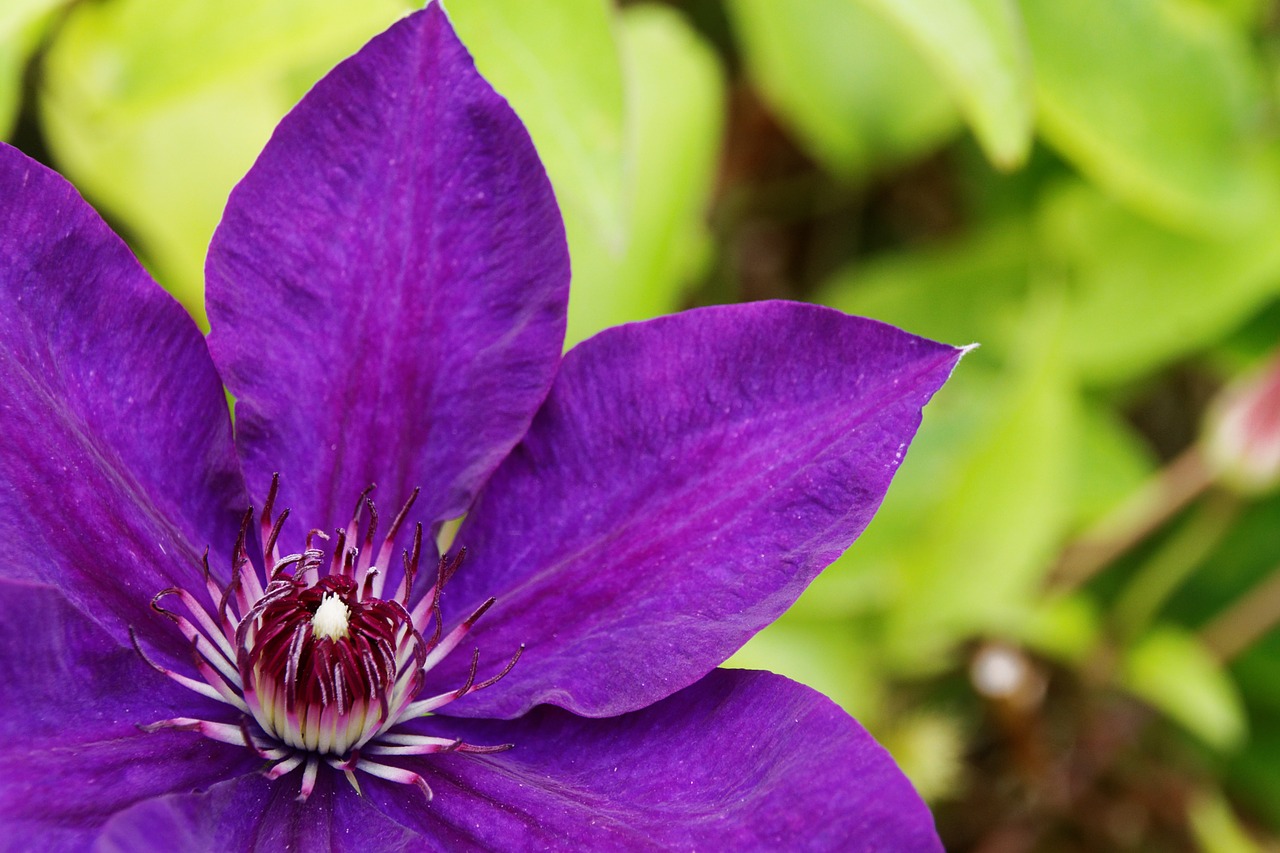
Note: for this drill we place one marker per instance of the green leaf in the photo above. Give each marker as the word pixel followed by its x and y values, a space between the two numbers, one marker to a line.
pixel 1158 102
pixel 976 557
pixel 676 116
pixel 21 22
pixel 1142 295
pixel 1065 628
pixel 1242 561
pixel 827 655
pixel 1246 14
pixel 979 50
pixel 570 99
pixel 1216 827
pixel 930 749
pixel 859 95
pixel 155 109
pixel 627 113
pixel 972 289
pixel 1114 462
pixel 1256 771
pixel 1172 671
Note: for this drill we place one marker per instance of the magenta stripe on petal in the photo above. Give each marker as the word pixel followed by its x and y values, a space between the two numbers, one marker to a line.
pixel 387 288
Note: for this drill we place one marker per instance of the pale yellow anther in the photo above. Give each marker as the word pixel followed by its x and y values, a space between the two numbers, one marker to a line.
pixel 331 619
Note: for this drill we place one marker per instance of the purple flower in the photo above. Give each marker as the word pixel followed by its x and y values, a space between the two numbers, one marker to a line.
pixel 387 293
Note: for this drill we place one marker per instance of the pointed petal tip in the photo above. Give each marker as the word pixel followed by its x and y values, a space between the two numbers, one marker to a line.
pixel 465 231
pixel 762 436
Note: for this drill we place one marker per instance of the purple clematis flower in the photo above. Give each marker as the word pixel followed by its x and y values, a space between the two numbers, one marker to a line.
pixel 387 295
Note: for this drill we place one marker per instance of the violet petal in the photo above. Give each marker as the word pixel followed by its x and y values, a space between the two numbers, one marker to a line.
pixel 738 761
pixel 254 814
pixel 117 467
pixel 686 479
pixel 70 703
pixel 387 288
pixel 59 670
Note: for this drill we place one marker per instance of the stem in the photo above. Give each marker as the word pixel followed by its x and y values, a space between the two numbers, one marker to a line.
pixel 1174 562
pixel 1154 503
pixel 1246 621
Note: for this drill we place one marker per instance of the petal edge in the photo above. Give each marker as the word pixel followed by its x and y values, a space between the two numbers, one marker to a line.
pixel 388 285
pixel 686 479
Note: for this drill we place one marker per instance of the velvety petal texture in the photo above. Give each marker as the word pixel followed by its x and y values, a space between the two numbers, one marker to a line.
pixel 387 288
pixel 252 814
pixel 117 467
pixel 739 761
pixel 71 701
pixel 686 479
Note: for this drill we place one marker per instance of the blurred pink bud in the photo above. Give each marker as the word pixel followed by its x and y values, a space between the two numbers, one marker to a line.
pixel 1242 433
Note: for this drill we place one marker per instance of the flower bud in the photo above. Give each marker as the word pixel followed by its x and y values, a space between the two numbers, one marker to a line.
pixel 1242 432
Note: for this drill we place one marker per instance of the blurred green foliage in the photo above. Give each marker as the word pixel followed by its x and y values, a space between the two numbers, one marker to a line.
pixel 858 93
pixel 21 24
pixel 628 127
pixel 155 109
pixel 1088 189
pixel 1159 103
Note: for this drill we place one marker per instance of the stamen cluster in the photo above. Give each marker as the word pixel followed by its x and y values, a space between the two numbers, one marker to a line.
pixel 318 692
pixel 327 687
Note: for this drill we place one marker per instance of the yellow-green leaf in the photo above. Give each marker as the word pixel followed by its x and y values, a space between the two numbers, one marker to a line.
pixel 154 109
pixel 1141 294
pixel 859 95
pixel 979 50
pixel 21 22
pixel 1160 103
pixel 1172 671
pixel 976 558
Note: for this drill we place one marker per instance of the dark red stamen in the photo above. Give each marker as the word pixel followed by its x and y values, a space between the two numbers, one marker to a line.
pixel 314 687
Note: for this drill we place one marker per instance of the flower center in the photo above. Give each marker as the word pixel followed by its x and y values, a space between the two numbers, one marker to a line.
pixel 320 665
pixel 323 664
